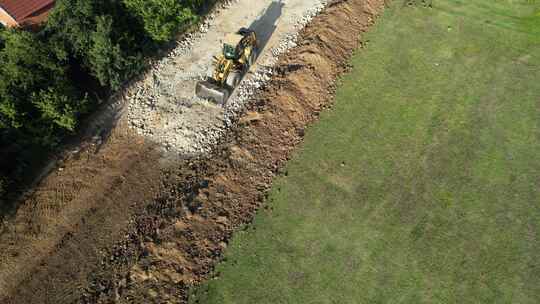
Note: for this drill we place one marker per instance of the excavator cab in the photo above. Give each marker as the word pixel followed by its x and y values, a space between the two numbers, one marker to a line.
pixel 229 52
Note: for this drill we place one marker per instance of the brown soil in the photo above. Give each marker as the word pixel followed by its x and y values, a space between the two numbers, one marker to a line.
pixel 48 248
pixel 174 242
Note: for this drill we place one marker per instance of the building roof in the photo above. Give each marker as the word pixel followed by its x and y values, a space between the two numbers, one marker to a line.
pixel 20 9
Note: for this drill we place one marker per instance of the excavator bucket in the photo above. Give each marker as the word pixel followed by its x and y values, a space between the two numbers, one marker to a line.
pixel 208 90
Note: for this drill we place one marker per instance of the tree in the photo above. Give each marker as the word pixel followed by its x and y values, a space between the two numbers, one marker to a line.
pixel 100 36
pixel 72 22
pixel 105 56
pixel 85 46
pixel 162 18
pixel 36 98
pixel 55 108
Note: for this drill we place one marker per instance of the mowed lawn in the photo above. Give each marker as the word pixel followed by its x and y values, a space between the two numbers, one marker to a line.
pixel 422 184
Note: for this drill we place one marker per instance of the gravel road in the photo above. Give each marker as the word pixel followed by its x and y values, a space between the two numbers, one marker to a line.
pixel 163 105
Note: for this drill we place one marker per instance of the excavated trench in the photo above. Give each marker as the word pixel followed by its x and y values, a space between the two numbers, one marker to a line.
pixel 174 242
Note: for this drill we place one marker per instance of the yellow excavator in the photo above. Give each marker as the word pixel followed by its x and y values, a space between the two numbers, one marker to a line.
pixel 239 53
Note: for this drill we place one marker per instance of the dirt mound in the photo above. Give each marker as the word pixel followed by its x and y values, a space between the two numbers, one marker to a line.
pixel 188 228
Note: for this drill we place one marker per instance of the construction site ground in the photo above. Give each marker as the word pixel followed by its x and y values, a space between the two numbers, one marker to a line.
pixel 421 184
pixel 121 221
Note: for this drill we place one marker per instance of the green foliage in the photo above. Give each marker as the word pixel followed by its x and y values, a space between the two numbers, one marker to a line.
pixel 55 107
pixel 35 94
pixel 71 25
pixel 96 34
pixel 105 56
pixel 161 18
pixel 87 48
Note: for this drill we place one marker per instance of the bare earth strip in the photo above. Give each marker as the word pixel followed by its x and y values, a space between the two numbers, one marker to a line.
pixel 191 226
pixel 170 224
pixel 163 106
pixel 75 212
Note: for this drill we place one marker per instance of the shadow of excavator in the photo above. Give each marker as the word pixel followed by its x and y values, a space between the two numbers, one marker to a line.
pixel 265 25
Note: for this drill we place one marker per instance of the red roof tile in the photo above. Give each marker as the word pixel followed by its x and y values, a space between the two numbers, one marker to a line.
pixel 20 9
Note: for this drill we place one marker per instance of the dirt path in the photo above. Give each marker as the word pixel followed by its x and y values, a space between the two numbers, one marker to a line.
pixel 133 231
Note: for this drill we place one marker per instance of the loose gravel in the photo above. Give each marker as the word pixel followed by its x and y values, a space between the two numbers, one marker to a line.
pixel 163 105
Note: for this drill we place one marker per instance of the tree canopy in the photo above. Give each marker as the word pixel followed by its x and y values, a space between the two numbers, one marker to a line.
pixel 49 77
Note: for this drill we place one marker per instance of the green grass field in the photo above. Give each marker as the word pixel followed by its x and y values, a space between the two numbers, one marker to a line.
pixel 422 185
